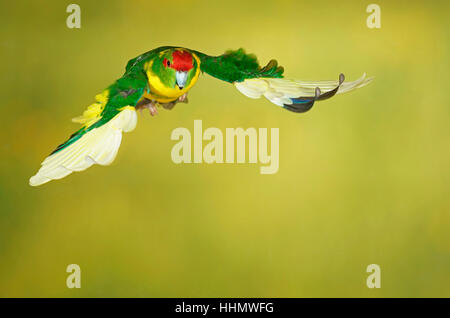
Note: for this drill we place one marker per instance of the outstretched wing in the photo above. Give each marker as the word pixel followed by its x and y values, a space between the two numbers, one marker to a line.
pixel 236 66
pixel 298 96
pixel 255 81
pixel 98 141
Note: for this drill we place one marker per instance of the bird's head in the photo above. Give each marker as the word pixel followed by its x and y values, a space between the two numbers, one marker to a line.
pixel 175 67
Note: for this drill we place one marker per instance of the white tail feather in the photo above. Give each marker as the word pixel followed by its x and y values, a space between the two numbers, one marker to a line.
pixel 98 146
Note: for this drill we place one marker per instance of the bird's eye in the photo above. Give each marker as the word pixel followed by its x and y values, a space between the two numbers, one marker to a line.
pixel 166 63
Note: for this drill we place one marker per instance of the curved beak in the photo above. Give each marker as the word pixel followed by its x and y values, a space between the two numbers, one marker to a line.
pixel 181 78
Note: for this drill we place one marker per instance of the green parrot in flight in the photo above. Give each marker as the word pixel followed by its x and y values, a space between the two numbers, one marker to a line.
pixel 163 77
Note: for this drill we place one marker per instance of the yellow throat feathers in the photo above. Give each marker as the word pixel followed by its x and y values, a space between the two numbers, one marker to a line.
pixel 162 93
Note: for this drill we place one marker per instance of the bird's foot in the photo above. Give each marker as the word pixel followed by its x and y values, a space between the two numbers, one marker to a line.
pixel 147 104
pixel 152 109
pixel 183 98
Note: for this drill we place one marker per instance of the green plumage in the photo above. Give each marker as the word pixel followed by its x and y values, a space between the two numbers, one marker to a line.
pixel 233 66
pixel 163 77
pixel 236 66
pixel 124 92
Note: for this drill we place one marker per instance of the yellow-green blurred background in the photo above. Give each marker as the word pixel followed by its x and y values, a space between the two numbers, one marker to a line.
pixel 364 177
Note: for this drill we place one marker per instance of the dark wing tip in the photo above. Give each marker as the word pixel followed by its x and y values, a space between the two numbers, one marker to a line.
pixel 303 104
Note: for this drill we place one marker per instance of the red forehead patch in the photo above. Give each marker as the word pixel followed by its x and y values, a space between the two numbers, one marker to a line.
pixel 182 61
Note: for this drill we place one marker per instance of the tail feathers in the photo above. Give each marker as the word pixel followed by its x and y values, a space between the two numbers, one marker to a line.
pixel 97 146
pixel 297 96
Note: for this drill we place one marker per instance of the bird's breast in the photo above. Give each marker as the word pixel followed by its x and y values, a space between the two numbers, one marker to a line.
pixel 163 94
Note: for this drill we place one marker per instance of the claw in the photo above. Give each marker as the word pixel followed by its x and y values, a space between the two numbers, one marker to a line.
pixel 183 98
pixel 148 104
pixel 152 109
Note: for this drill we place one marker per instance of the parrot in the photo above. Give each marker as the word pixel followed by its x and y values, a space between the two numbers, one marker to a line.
pixel 162 77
